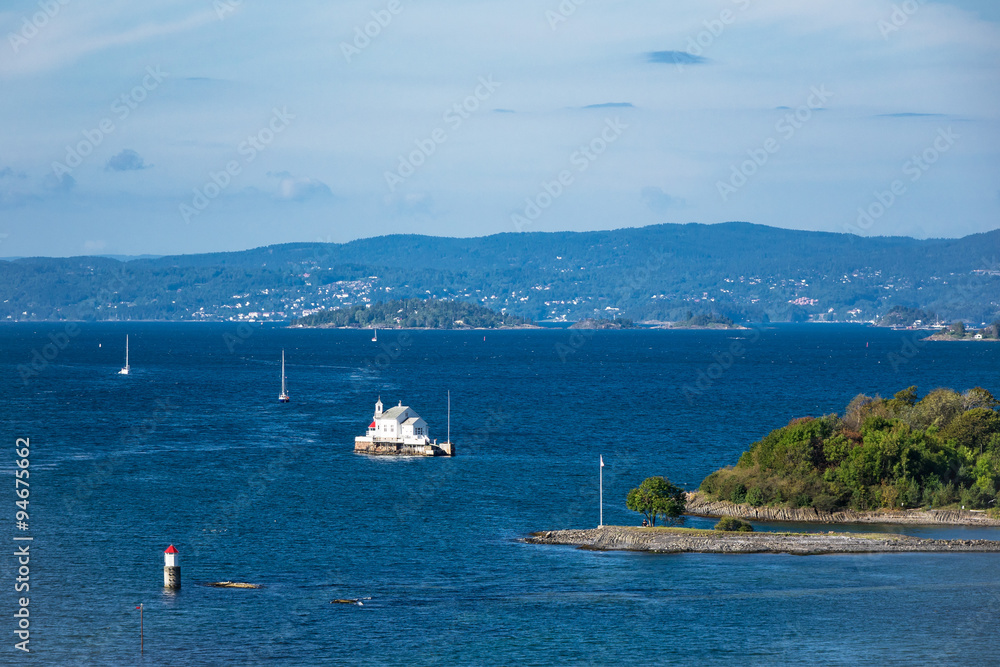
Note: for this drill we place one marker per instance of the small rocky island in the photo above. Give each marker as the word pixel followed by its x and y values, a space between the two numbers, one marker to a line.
pixel 412 314
pixel 688 540
pixel 959 332
pixel 702 321
pixel 600 323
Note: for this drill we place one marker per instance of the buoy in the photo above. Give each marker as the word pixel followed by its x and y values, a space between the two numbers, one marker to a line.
pixel 171 568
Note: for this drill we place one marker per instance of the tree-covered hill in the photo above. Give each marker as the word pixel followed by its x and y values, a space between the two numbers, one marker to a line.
pixel 738 270
pixel 897 453
pixel 413 313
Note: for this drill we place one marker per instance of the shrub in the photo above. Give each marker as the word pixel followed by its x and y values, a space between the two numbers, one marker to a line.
pixel 826 503
pixel 755 497
pixel 732 524
pixel 975 498
pixel 739 495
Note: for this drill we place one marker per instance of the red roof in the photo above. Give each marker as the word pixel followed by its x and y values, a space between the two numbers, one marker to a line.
pixel 372 425
pixel 170 550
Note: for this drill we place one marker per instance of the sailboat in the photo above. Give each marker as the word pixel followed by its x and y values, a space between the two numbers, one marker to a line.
pixel 126 369
pixel 375 336
pixel 283 396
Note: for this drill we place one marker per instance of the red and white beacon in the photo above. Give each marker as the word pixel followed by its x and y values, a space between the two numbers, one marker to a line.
pixel 171 568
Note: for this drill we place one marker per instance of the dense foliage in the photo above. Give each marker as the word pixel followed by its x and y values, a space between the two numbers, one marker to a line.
pixel 656 496
pixel 960 332
pixel 733 525
pixel 901 316
pixel 735 270
pixel 941 450
pixel 704 320
pixel 603 323
pixel 413 314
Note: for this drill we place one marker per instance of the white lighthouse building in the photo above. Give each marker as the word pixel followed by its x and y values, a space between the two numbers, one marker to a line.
pixel 401 431
pixel 171 568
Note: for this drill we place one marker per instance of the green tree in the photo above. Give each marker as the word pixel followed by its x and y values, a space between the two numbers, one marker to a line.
pixel 732 524
pixel 977 397
pixel 755 497
pixel 973 429
pixel 656 496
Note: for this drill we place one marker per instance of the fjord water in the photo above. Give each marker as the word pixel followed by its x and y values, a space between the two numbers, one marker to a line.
pixel 193 449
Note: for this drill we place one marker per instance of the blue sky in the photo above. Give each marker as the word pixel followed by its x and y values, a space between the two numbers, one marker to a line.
pixel 179 126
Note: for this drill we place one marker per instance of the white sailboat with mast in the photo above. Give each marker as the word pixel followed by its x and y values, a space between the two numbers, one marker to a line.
pixel 126 369
pixel 283 396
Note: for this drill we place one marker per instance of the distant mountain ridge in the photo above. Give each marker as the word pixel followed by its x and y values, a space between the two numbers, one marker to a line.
pixel 665 272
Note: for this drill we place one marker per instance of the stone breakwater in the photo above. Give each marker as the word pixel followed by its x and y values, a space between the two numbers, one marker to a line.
pixel 698 505
pixel 666 540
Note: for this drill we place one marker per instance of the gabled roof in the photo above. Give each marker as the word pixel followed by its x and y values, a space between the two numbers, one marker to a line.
pixel 394 413
pixel 412 420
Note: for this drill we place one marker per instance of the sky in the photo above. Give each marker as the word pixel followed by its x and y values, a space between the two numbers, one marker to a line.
pixel 184 126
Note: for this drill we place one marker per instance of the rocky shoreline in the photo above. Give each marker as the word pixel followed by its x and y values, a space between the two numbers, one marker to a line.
pixel 698 505
pixel 682 540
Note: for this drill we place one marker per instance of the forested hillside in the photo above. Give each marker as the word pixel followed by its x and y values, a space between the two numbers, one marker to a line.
pixel 897 453
pixel 666 272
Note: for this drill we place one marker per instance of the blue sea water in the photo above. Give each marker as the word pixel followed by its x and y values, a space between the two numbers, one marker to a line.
pixel 193 449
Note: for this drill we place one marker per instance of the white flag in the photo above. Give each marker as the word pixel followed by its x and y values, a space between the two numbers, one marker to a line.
pixel 602 460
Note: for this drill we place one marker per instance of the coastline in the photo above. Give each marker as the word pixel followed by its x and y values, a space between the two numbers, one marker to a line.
pixel 698 505
pixel 332 326
pixel 687 540
pixel 947 338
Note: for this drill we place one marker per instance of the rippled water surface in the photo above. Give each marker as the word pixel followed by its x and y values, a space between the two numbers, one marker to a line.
pixel 193 449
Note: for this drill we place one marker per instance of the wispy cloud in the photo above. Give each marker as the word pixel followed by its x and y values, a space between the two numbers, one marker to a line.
pixel 675 58
pixel 127 160
pixel 910 114
pixel 610 105
pixel 658 201
pixel 298 188
pixel 66 41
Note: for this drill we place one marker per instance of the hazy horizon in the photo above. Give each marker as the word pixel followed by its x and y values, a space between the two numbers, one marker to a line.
pixel 189 126
pixel 126 257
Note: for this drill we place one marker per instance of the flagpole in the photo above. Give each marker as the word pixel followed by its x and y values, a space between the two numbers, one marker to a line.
pixel 141 633
pixel 602 493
